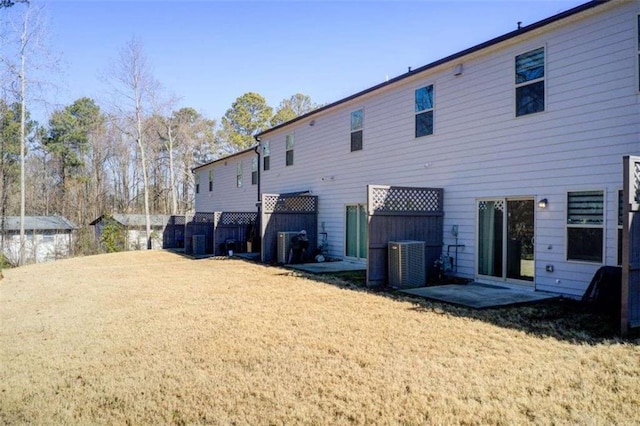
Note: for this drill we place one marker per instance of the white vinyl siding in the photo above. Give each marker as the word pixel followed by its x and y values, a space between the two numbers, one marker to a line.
pixel 226 196
pixel 479 149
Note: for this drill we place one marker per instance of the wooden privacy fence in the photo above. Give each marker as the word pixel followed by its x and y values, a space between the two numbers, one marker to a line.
pixel 287 212
pixel 234 228
pixel 173 235
pixel 200 225
pixel 402 213
pixel 212 230
pixel 630 306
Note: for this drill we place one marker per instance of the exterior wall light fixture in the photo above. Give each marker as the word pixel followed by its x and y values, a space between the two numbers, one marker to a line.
pixel 543 203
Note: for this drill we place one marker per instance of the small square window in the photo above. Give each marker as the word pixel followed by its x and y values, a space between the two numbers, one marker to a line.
pixel 424 124
pixel 356 141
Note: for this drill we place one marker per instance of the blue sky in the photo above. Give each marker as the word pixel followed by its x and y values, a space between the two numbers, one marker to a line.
pixel 210 52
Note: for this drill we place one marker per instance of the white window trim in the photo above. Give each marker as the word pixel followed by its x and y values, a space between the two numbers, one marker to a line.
pixel 517 85
pixel 360 129
pixel 239 174
pixel 287 149
pixel 266 145
pixel 415 113
pixel 344 232
pixel 603 226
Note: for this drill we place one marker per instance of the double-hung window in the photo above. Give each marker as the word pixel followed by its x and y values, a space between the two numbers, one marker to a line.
pixel 266 155
pixel 239 174
pixel 357 123
pixel 197 183
pixel 210 180
pixel 530 82
pixel 254 171
pixel 585 226
pixel 289 150
pixel 424 111
pixel 638 28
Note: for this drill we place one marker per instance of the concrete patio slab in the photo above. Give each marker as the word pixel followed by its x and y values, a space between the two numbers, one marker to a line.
pixel 328 267
pixel 479 296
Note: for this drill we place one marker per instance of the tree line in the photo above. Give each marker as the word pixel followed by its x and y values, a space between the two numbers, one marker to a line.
pixel 131 151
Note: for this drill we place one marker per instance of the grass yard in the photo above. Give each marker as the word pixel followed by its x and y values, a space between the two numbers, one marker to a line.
pixel 155 338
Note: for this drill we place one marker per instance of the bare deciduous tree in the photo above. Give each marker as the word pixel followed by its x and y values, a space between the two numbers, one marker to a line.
pixel 135 87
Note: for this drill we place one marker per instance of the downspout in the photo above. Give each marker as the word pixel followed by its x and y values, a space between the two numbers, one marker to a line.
pixel 257 151
pixel 256 231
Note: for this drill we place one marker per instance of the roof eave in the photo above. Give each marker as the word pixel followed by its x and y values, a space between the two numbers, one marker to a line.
pixel 450 58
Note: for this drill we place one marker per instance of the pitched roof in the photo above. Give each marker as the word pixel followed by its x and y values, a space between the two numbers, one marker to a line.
pixel 133 220
pixel 39 223
pixel 235 154
pixel 520 31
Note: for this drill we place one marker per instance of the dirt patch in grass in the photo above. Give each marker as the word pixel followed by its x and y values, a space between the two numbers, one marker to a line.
pixel 152 337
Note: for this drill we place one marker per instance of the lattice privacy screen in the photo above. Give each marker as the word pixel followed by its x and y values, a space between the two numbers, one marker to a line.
pixel 236 218
pixel 289 204
pixel 203 218
pixel 399 199
pixel 177 220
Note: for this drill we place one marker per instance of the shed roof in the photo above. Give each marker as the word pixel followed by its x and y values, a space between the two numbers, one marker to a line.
pixel 38 223
pixel 136 219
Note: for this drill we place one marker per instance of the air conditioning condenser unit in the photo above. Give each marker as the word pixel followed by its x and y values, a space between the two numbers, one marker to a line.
pixel 284 244
pixel 406 264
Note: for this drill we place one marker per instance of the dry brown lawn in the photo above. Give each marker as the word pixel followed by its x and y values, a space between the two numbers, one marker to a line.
pixel 155 338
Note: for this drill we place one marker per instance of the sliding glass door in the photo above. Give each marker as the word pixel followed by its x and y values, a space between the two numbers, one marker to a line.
pixel 506 239
pixel 356 231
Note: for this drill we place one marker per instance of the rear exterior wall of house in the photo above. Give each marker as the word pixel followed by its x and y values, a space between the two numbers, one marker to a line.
pixel 479 148
pixel 229 184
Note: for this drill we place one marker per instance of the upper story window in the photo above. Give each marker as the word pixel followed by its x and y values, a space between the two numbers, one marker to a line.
pixel 357 122
pixel 266 155
pixel 239 174
pixel 638 52
pixel 289 152
pixel 254 171
pixel 585 226
pixel 197 183
pixel 210 180
pixel 424 111
pixel 530 82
